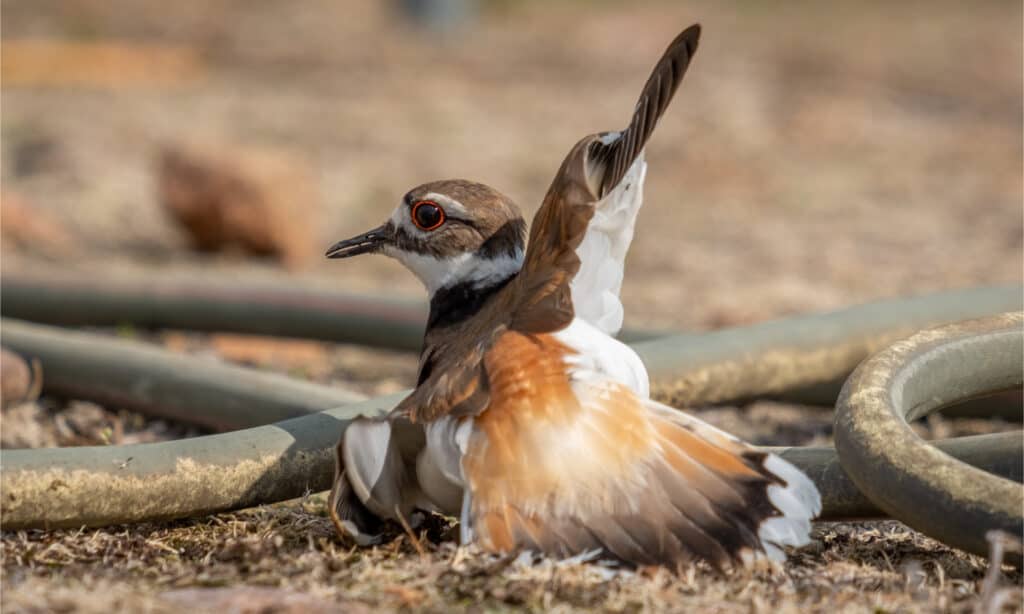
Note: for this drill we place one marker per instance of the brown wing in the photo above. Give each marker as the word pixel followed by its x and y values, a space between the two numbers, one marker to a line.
pixel 452 379
pixel 564 466
pixel 591 170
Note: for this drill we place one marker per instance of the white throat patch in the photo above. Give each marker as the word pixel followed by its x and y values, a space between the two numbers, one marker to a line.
pixel 437 273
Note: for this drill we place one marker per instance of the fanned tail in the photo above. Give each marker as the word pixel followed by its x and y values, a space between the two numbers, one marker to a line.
pixel 641 481
pixel 778 503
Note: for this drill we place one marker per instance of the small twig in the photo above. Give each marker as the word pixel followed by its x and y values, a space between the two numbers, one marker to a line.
pixel 992 595
pixel 408 531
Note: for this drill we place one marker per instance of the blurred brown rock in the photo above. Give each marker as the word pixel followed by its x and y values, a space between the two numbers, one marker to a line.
pixel 29 228
pixel 264 202
pixel 19 381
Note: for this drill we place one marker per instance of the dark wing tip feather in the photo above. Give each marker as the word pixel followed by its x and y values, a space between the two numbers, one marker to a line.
pixel 661 86
pixel 594 167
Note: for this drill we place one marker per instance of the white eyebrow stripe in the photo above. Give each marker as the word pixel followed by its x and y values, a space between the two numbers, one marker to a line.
pixel 447 203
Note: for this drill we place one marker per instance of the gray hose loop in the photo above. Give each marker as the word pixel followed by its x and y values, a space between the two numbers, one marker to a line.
pixel 801 359
pixel 155 382
pixel 100 486
pixel 902 474
pixel 52 488
pixel 220 305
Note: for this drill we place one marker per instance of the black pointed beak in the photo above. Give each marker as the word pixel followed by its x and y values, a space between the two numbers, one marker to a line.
pixel 366 243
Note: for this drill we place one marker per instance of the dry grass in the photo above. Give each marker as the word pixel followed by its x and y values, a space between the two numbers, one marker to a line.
pixel 290 547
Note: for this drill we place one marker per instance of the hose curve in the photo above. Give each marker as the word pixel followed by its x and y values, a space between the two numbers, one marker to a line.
pixel 908 477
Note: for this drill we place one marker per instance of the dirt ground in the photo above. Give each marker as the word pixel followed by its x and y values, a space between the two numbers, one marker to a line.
pixel 818 155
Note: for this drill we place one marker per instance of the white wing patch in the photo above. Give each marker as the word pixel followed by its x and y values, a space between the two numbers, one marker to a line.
pixel 602 254
pixel 601 357
pixel 439 464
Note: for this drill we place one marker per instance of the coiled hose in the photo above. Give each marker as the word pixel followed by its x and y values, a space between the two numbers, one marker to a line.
pixel 907 477
pixel 803 358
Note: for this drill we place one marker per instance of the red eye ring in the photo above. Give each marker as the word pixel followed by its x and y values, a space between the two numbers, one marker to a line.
pixel 427 215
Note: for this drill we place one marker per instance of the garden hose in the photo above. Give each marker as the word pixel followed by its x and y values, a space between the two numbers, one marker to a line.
pixel 803 359
pixel 717 367
pixel 52 488
pixel 189 389
pixel 906 476
pixel 220 305
pixel 71 487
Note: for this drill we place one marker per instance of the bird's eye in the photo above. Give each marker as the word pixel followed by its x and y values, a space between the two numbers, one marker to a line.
pixel 427 215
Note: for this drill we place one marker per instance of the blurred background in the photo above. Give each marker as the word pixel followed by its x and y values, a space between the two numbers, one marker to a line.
pixel 817 155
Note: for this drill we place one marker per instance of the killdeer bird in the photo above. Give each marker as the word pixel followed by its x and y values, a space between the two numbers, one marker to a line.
pixel 530 422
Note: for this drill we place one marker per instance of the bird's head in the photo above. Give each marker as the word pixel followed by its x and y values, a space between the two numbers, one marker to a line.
pixel 448 233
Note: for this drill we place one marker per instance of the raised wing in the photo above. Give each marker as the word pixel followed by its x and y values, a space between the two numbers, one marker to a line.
pixel 580 235
pixel 587 217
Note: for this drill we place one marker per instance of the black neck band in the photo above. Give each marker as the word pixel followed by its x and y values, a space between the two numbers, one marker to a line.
pixel 454 304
